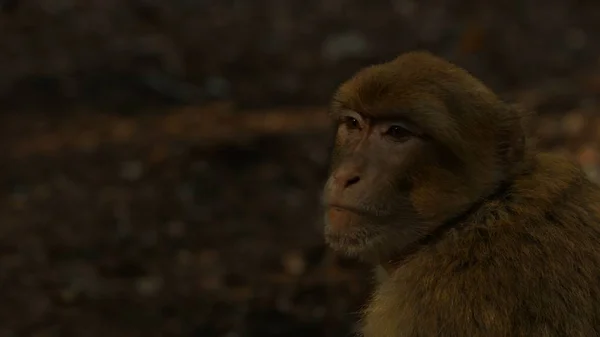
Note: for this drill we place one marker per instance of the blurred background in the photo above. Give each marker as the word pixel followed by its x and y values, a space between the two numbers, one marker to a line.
pixel 161 161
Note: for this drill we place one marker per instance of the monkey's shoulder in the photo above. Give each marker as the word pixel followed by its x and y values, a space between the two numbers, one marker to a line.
pixel 519 284
pixel 519 266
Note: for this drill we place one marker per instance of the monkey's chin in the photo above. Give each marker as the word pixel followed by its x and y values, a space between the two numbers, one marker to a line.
pixel 348 233
pixel 356 246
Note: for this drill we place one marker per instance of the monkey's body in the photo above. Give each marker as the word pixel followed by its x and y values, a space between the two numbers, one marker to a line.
pixel 525 263
pixel 437 179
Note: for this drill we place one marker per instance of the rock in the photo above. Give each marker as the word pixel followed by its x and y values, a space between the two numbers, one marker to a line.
pixel 573 123
pixel 293 263
pixel 176 229
pixel 576 38
pixel 217 87
pixel 132 170
pixel 149 285
pixel 341 46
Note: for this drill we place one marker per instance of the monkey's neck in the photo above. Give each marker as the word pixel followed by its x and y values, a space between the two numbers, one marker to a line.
pixel 502 191
pixel 389 265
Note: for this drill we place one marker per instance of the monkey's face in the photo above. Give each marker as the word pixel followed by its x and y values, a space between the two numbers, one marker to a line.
pixel 368 193
pixel 418 142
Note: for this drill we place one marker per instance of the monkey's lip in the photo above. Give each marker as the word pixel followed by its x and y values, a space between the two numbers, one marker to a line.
pixel 342 219
pixel 348 208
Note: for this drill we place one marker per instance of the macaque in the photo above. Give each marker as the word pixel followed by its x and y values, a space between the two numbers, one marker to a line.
pixel 437 180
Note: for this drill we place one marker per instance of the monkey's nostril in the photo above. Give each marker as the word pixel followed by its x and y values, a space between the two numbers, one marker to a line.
pixel 352 181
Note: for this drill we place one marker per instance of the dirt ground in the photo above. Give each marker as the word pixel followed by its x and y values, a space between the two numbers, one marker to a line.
pixel 181 198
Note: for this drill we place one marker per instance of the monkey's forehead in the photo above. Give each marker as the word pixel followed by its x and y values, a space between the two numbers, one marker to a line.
pixel 409 83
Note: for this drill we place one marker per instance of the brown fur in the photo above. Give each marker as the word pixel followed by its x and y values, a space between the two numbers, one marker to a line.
pixel 480 234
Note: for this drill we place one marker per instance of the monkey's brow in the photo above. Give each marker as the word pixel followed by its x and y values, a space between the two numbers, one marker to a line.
pixel 394 115
pixel 337 106
pixel 342 109
pixel 377 117
pixel 343 112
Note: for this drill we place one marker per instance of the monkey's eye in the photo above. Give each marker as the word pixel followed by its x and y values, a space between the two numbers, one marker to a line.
pixel 398 133
pixel 350 122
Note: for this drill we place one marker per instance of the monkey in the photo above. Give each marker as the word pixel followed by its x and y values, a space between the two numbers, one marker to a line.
pixel 437 180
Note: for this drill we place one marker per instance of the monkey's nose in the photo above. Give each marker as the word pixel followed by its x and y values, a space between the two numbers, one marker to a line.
pixel 352 181
pixel 346 179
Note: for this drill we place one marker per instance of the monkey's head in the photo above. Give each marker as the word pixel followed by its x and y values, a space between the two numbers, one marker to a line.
pixel 418 142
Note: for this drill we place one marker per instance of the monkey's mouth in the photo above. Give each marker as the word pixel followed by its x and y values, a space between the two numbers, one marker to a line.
pixel 342 219
pixel 345 229
pixel 347 208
